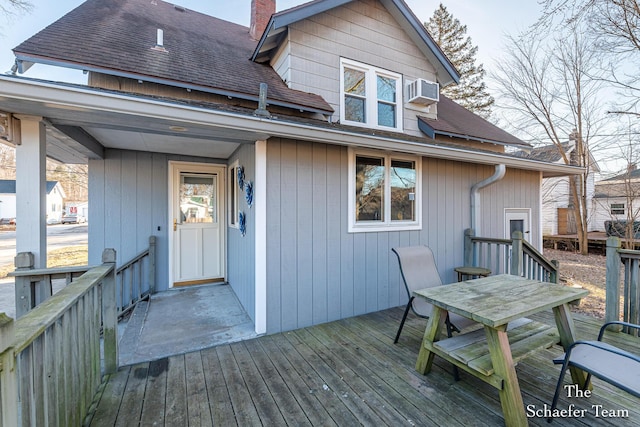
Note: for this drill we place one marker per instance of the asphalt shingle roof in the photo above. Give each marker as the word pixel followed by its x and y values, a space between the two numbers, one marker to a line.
pixel 8 186
pixel 547 153
pixel 455 120
pixel 119 36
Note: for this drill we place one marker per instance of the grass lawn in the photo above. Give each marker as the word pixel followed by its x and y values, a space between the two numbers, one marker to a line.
pixel 63 257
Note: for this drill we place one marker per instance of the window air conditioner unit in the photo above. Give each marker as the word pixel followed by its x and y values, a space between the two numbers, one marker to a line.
pixel 423 92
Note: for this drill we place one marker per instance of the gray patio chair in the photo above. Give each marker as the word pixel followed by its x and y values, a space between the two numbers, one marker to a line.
pixel 419 271
pixel 611 364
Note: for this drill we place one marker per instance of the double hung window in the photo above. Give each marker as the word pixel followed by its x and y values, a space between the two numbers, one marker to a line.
pixel 370 96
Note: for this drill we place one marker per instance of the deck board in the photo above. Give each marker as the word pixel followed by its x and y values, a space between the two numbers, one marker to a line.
pixel 156 390
pixel 347 372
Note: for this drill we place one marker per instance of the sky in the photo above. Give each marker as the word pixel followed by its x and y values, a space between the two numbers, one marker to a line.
pixel 487 23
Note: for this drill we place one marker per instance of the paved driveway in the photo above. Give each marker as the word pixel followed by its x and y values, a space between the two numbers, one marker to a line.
pixel 58 236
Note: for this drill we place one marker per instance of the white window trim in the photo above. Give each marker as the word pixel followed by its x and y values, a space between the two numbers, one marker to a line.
pixel 371 103
pixel 387 225
pixel 233 180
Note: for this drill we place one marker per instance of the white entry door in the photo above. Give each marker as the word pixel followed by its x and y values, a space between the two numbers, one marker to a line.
pixel 197 216
pixel 517 219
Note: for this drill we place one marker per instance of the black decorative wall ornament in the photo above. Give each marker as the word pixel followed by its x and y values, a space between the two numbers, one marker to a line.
pixel 241 223
pixel 241 177
pixel 248 193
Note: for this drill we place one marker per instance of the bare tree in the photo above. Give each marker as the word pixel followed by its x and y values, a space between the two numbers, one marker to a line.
pixel 553 93
pixel 10 7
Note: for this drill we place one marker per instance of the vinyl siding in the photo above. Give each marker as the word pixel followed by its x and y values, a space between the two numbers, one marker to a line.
pixel 129 202
pixel 362 31
pixel 318 272
pixel 241 249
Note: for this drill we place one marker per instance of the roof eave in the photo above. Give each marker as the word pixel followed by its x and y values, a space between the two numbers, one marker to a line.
pixel 189 86
pixel 431 132
pixel 91 99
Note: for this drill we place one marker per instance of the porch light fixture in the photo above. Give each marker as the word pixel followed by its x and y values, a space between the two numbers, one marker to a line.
pixel 178 128
pixel 6 126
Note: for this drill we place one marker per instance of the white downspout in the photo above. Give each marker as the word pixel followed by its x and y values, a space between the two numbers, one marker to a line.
pixel 475 194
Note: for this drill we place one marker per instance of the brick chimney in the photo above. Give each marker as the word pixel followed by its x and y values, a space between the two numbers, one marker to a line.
pixel 261 11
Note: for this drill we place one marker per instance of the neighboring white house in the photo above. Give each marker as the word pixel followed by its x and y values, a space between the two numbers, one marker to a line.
pixel 615 196
pixel 55 200
pixel 557 208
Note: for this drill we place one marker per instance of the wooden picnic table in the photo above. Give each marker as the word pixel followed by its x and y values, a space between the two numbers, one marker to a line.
pixel 500 304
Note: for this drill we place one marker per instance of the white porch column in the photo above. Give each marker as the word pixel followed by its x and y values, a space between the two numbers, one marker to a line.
pixel 31 189
pixel 260 205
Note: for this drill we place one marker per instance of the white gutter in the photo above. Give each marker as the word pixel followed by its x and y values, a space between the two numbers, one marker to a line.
pixel 501 169
pixel 89 99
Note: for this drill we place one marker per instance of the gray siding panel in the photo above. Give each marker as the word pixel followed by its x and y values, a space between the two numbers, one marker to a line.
pixel 319 230
pixel 333 246
pixel 304 231
pixel 275 261
pixel 320 272
pixel 241 249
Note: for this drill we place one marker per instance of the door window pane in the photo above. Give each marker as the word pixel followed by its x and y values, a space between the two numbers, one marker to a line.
pixel 403 190
pixel 516 225
pixel 369 189
pixel 198 198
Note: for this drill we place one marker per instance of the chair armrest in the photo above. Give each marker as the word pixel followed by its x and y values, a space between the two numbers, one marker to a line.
pixel 615 322
pixel 600 345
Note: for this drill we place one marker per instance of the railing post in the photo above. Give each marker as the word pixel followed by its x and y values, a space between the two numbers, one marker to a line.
pixel 516 253
pixel 8 373
pixel 152 264
pixel 612 307
pixel 553 277
pixel 23 292
pixel 469 233
pixel 110 314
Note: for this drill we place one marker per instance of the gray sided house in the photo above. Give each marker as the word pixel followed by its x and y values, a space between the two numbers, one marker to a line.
pixel 353 151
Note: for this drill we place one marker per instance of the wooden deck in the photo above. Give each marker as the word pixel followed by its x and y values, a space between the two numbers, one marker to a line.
pixel 343 373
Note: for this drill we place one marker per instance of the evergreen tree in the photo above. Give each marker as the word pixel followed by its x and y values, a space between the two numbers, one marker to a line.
pixel 450 35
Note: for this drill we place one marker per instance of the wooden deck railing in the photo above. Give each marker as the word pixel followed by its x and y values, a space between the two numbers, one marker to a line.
pixel 50 358
pixel 34 286
pixel 504 256
pixel 627 295
pixel 135 280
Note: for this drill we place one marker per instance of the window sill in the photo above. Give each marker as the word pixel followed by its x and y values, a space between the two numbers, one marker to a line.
pixel 376 228
pixel 371 126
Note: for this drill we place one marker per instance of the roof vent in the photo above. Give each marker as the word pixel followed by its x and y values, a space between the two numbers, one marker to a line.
pixel 179 8
pixel 423 92
pixel 159 41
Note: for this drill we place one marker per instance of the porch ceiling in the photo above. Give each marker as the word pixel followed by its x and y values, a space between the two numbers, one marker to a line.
pixel 76 134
